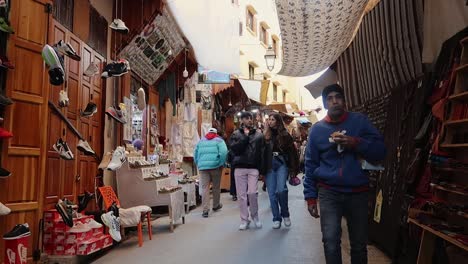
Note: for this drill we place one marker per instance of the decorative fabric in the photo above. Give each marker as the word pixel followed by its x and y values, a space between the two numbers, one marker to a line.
pixel 315 33
pixel 153 50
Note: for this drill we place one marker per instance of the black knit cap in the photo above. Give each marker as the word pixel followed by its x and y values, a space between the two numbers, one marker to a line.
pixel 246 114
pixel 331 88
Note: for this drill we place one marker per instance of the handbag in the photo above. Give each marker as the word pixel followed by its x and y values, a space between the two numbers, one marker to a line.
pixel 294 181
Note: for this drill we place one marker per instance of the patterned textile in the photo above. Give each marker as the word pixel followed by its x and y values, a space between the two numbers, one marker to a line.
pixel 314 33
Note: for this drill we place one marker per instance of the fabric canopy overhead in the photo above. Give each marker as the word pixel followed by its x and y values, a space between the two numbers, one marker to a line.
pixel 327 78
pixel 255 90
pixel 315 33
pixel 212 27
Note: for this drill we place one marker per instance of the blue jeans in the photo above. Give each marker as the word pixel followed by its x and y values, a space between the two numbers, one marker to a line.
pixel 353 206
pixel 277 190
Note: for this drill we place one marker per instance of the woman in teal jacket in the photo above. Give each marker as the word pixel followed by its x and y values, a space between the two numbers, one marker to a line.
pixel 210 156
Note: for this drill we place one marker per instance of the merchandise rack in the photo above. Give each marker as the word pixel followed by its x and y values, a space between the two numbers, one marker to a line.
pixel 135 189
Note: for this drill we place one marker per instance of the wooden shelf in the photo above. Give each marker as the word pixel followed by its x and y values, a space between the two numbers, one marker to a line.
pixel 459 122
pixel 439 234
pixel 459 97
pixel 438 187
pixel 463 145
pixel 462 67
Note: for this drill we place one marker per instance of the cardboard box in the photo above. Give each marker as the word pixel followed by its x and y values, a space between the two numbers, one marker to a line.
pixel 59 249
pixel 70 250
pixel 106 241
pixel 48 238
pixel 51 215
pixel 89 247
pixel 78 237
pixel 59 238
pixel 49 249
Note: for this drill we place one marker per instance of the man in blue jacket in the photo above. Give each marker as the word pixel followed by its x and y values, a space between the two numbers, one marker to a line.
pixel 210 156
pixel 333 174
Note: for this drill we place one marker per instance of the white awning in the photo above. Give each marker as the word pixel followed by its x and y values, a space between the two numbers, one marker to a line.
pixel 212 28
pixel 252 88
pixel 327 78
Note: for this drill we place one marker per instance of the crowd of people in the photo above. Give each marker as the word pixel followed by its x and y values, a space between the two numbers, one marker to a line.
pixel 331 159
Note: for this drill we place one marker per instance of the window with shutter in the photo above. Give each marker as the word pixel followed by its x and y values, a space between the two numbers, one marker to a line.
pixel 275 93
pixel 63 12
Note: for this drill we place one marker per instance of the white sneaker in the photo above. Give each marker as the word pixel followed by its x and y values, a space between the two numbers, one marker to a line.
pixel 276 224
pixel 79 228
pixel 93 224
pixel 4 210
pixel 119 26
pixel 257 223
pixel 67 49
pixel 141 99
pixel 244 225
pixel 118 158
pixel 63 99
pixel 61 147
pixel 114 225
pixel 287 221
pixel 92 70
pixel 85 147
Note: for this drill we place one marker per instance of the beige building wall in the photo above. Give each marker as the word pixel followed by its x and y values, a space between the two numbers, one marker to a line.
pixel 252 49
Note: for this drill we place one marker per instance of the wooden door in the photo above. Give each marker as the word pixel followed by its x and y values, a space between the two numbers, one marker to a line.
pixel 24 154
pixel 70 178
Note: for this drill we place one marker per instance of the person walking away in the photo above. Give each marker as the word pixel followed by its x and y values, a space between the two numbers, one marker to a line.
pixel 282 159
pixel 209 156
pixel 302 150
pixel 334 176
pixel 247 145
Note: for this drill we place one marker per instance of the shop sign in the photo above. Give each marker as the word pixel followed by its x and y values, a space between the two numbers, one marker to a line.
pixel 153 50
pixel 206 76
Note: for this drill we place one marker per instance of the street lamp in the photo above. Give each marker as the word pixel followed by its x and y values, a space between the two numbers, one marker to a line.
pixel 270 57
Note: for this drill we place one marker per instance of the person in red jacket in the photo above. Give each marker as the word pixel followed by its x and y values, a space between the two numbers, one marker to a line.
pixel 334 176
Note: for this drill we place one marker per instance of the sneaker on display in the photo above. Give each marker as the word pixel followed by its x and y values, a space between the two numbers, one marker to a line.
pixel 67 49
pixel 85 147
pixel 244 225
pixel 115 69
pixel 63 99
pixel 61 147
pixel 6 63
pixel 113 223
pixel 56 76
pixel 4 173
pixel 19 231
pixel 83 200
pixel 105 161
pixel 90 110
pixel 141 99
pixel 118 158
pixel 276 224
pixel 79 228
pixel 91 223
pixel 287 221
pixel 5 27
pixel 65 211
pixel 92 70
pixel 69 203
pixel 116 114
pixel 5 133
pixel 5 100
pixel 52 58
pixel 119 26
pixel 4 210
pixel 115 209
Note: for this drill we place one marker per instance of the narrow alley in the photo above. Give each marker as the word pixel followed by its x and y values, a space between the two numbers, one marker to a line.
pixel 216 239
